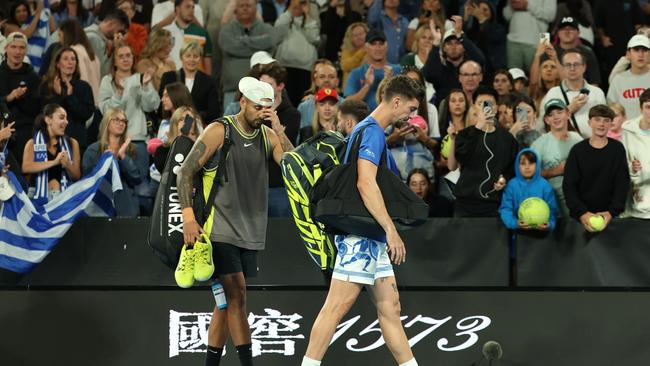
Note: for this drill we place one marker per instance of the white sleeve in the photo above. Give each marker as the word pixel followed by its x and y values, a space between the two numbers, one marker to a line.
pixel 159 13
pixel 413 24
pixel 198 13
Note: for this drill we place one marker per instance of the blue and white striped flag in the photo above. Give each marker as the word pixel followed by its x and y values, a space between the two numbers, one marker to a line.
pixel 29 232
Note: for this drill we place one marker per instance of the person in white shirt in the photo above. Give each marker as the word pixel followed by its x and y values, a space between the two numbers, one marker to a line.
pixel 627 86
pixel 574 90
pixel 163 14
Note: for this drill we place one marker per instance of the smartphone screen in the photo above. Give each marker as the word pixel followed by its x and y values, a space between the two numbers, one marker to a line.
pixel 544 37
pixel 521 114
pixel 187 125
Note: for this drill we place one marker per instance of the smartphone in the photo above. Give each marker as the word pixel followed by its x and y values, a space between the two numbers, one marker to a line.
pixel 187 125
pixel 545 37
pixel 22 84
pixel 521 115
pixel 584 91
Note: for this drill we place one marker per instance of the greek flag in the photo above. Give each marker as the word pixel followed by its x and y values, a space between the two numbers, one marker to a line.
pixel 29 231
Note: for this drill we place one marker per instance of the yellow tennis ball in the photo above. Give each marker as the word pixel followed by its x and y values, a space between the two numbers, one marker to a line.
pixel 534 211
pixel 597 222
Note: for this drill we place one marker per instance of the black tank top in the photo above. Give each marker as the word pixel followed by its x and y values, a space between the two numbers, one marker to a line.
pixel 55 171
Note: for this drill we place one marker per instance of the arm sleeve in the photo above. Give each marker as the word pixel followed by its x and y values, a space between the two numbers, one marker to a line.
pixel 472 52
pixel 149 99
pixel 312 31
pixel 81 104
pixel 353 85
pixel 374 14
pixel 89 159
pixel 432 68
pixel 373 144
pixel 570 186
pixel 242 45
pixel 507 12
pixel 107 97
pixel 129 171
pixel 542 9
pixel 621 183
pixel 507 208
pixel 465 145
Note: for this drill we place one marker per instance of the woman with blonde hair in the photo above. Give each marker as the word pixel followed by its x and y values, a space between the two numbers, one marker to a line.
pixel 202 86
pixel 135 95
pixel 176 125
pixel 353 50
pixel 155 57
pixel 544 73
pixel 113 137
pixel 324 116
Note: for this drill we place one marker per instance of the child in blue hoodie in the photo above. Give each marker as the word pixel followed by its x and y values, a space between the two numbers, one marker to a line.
pixel 527 183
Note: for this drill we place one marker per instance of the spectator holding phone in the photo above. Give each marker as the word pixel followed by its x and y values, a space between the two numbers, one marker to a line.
pixel 114 137
pixel 524 114
pixel 576 92
pixel 486 154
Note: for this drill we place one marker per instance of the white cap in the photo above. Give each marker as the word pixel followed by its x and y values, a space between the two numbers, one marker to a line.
pixel 261 57
pixel 256 91
pixel 6 190
pixel 517 73
pixel 449 33
pixel 639 40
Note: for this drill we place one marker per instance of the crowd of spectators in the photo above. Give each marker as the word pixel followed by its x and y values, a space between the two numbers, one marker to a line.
pixel 564 79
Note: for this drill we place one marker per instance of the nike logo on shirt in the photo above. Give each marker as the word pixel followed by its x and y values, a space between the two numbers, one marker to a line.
pixel 247 145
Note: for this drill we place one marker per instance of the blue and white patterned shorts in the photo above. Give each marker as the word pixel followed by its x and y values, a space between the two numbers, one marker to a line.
pixel 361 260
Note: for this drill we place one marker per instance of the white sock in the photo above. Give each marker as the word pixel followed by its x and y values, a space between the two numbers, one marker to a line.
pixel 306 361
pixel 411 362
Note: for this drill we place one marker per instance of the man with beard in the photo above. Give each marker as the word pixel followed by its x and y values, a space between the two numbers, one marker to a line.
pixel 184 29
pixel 442 66
pixel 240 210
pixel 364 80
pixel 362 261
pixel 349 114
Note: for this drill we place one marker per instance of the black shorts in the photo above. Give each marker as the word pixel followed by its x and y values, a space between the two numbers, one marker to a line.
pixel 232 259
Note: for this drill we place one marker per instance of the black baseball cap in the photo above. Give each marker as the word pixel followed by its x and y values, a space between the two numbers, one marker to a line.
pixel 375 34
pixel 568 22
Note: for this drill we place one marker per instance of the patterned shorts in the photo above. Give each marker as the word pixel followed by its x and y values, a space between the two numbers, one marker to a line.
pixel 361 260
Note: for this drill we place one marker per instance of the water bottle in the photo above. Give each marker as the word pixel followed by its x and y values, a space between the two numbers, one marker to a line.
pixel 219 296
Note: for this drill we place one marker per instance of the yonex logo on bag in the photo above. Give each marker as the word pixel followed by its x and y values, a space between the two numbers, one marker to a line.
pixel 175 215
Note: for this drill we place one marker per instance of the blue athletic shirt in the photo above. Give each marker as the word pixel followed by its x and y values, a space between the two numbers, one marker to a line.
pixel 373 144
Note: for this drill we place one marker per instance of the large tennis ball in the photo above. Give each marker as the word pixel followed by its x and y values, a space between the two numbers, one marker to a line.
pixel 534 211
pixel 445 146
pixel 597 222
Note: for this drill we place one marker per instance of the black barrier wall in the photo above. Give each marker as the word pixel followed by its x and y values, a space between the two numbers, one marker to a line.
pixel 103 252
pixel 443 252
pixel 127 328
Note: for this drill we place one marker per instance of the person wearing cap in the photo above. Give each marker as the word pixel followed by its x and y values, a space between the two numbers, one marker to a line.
pixel 364 80
pixel 596 177
pixel 239 40
pixel 202 86
pixel 519 80
pixel 577 93
pixel 553 148
pixel 325 115
pixel 261 58
pixel 289 117
pixel 19 96
pixel 627 86
pixel 401 101
pixel 240 212
pixel 448 53
pixel 383 14
pixel 636 139
pixel 568 34
pixel 527 19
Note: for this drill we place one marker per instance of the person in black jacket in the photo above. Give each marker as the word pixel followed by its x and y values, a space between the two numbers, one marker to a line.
pixel 18 92
pixel 486 154
pixel 203 87
pixel 490 36
pixel 333 24
pixel 596 176
pixel 441 67
pixel 62 85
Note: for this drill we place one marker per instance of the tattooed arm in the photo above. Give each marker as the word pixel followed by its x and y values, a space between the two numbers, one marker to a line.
pixel 279 140
pixel 205 146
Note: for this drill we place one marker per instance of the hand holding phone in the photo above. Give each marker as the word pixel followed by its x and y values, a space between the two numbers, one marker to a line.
pixel 187 125
pixel 521 115
pixel 545 38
